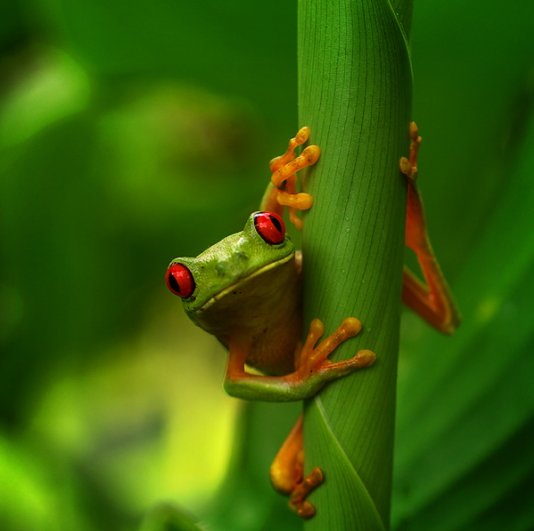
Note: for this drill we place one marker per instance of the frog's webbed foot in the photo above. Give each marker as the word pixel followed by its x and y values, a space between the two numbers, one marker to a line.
pixel 313 370
pixel 416 236
pixel 287 470
pixel 287 473
pixel 408 166
pixel 282 191
pixel 312 361
pixel 297 498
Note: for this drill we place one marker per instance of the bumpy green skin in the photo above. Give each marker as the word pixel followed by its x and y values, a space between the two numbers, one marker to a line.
pixel 283 390
pixel 248 295
pixel 228 262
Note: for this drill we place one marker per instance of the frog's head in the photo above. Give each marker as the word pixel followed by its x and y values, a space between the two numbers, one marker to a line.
pixel 260 246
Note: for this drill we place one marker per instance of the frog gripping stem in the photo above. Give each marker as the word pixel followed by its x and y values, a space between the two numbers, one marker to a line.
pixel 287 470
pixel 313 358
pixel 282 190
pixel 313 370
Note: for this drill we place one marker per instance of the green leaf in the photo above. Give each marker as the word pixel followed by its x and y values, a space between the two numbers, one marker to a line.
pixel 462 408
pixel 354 93
pixel 166 517
pixel 350 490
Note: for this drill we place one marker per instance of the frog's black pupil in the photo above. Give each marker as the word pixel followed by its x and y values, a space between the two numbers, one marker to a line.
pixel 276 223
pixel 174 284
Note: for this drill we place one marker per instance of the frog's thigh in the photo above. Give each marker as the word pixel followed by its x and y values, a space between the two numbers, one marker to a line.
pixel 288 465
pixel 287 473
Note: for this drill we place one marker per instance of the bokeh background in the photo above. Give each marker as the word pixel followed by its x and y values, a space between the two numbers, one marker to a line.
pixel 131 133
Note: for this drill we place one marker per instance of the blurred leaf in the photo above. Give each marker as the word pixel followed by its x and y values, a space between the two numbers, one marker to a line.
pixel 54 87
pixel 27 502
pixel 113 162
pixel 167 517
pixel 12 30
pixel 466 403
pixel 246 500
pixel 228 47
pixel 469 103
pixel 86 189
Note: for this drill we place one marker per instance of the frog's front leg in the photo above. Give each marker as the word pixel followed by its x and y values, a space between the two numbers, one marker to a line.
pixel 312 371
pixel 432 301
pixel 282 190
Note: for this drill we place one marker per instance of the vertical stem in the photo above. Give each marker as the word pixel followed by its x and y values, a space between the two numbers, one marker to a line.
pixel 355 94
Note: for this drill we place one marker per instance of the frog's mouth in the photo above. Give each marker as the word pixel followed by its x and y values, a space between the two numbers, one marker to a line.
pixel 254 285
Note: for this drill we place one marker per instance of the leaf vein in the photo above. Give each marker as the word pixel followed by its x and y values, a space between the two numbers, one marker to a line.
pixel 350 466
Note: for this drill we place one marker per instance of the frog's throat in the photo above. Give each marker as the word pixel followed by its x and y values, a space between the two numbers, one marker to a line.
pixel 218 296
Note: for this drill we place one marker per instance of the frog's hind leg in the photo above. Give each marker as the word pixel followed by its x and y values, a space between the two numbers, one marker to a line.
pixel 433 300
pixel 287 473
pixel 282 190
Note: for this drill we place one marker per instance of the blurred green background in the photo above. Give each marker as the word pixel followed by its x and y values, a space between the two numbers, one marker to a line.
pixel 131 133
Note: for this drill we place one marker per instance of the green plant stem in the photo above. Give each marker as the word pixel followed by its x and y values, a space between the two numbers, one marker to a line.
pixel 355 94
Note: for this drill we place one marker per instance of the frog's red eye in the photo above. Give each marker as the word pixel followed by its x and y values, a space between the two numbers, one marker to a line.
pixel 270 227
pixel 180 280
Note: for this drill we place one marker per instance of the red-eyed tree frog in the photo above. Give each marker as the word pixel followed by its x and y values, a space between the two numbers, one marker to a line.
pixel 246 291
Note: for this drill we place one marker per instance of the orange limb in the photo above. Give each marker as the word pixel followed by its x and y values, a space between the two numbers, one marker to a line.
pixel 287 473
pixel 432 301
pixel 314 358
pixel 312 371
pixel 282 191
